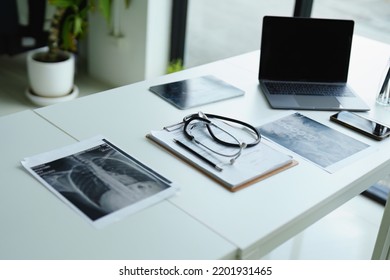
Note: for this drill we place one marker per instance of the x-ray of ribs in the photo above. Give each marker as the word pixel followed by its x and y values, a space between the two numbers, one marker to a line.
pixel 87 184
pixel 94 177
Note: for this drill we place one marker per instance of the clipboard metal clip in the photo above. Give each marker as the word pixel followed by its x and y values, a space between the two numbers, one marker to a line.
pixel 174 127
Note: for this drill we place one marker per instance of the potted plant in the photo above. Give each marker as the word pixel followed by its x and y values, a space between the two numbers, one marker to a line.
pixel 51 71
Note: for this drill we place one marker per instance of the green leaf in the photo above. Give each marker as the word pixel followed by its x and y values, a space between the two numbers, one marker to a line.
pixel 175 66
pixel 62 3
pixel 77 25
pixel 127 3
pixel 66 34
pixel 105 9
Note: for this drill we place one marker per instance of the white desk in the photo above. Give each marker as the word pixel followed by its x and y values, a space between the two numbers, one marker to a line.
pixel 35 224
pixel 258 218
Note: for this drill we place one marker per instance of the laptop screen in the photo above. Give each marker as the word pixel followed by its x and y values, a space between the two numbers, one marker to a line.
pixel 305 49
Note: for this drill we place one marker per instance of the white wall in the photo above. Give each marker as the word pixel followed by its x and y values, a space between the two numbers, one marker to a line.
pixel 141 53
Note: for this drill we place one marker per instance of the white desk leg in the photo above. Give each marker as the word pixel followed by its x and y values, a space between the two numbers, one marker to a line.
pixel 382 245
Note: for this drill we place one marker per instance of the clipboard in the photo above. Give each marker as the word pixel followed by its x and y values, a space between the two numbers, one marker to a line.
pixel 246 171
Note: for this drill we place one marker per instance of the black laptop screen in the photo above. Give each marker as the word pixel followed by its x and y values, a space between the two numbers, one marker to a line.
pixel 305 49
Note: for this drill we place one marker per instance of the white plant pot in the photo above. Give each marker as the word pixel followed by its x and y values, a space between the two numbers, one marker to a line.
pixel 50 79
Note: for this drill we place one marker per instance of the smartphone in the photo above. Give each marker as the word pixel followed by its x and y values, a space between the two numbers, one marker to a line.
pixel 361 124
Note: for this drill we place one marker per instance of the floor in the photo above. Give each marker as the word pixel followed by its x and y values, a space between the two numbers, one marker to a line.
pixel 347 233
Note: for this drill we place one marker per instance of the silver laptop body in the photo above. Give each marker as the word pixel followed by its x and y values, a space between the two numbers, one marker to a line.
pixel 304 64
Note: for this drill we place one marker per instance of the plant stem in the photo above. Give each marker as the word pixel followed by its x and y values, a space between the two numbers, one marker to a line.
pixel 54 35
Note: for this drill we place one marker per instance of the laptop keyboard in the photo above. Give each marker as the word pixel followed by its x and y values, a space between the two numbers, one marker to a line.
pixel 308 89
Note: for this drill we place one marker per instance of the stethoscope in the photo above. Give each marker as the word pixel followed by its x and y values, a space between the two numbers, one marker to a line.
pixel 192 121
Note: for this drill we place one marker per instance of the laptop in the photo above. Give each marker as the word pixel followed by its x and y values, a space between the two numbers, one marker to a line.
pixel 304 64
